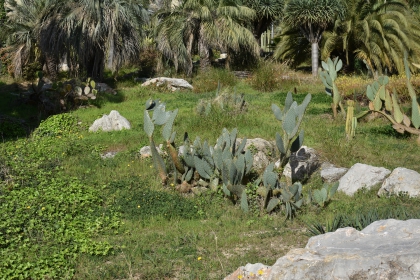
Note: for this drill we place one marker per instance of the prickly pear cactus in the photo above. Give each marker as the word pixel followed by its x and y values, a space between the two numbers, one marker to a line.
pixel 387 104
pixel 328 77
pixel 291 117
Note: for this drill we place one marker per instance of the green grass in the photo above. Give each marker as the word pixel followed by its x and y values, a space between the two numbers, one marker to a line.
pixel 156 233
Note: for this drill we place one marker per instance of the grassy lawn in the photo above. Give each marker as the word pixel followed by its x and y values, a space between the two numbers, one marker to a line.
pixel 115 219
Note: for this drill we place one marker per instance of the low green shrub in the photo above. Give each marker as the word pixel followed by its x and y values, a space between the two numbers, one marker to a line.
pixel 57 125
pixel 49 218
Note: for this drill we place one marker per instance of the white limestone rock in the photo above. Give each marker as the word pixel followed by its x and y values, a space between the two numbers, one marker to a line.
pixel 330 173
pixel 111 122
pixel 386 249
pixel 401 180
pixel 362 176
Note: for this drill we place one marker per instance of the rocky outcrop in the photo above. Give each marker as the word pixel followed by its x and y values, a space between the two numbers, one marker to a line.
pixel 330 173
pixel 401 180
pixel 111 122
pixel 261 149
pixel 172 83
pixel 362 176
pixel 386 249
pixel 302 164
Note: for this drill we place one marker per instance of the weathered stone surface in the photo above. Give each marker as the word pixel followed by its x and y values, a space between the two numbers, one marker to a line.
pixel 362 176
pixel 147 152
pixel 261 149
pixel 171 83
pixel 401 180
pixel 330 173
pixel 250 271
pixel 386 249
pixel 111 122
pixel 302 164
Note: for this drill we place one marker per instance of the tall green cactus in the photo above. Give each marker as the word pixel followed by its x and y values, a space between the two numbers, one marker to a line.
pixel 291 118
pixel 328 77
pixel 160 117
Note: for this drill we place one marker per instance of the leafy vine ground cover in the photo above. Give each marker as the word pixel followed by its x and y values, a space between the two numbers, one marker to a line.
pixel 67 213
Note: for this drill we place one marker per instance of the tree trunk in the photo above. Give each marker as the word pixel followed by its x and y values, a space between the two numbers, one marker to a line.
pixel 204 55
pixel 315 58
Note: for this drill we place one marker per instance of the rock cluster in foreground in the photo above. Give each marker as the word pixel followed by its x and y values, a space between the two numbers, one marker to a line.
pixel 386 249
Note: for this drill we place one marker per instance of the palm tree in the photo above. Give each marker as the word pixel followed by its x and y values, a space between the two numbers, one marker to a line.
pixel 376 31
pixel 312 17
pixel 92 32
pixel 198 26
pixel 292 47
pixel 22 32
pixel 267 11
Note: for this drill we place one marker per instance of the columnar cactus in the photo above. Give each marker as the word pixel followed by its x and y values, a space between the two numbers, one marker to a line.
pixel 328 77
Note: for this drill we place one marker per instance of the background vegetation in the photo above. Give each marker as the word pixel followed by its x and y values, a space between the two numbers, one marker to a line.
pixel 67 212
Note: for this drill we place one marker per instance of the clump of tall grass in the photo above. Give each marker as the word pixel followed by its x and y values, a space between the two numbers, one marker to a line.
pixel 271 76
pixel 209 81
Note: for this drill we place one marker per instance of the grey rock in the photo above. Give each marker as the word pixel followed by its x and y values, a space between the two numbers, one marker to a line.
pixel 111 122
pixel 362 176
pixel 172 83
pixel 102 87
pixel 401 180
pixel 250 271
pixel 302 164
pixel 147 152
pixel 261 149
pixel 386 249
pixel 111 154
pixel 330 173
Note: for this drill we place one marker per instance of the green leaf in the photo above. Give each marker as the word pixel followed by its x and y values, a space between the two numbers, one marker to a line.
pixel 339 65
pixel 244 201
pixel 167 128
pixel 398 115
pixel 289 101
pixel 369 93
pixel 289 123
pixel 160 116
pixel 148 124
pixel 274 201
pixel 377 103
pixel 317 196
pixel 203 168
pixel 280 144
pixel 333 189
pixel 325 66
pixel 415 113
pixel 277 112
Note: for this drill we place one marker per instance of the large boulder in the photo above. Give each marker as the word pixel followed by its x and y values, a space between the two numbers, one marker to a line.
pixel 172 83
pixel 362 176
pixel 386 249
pixel 111 122
pixel 302 164
pixel 261 149
pixel 401 180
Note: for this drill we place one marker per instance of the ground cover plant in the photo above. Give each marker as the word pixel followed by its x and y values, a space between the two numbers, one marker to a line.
pixel 66 212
